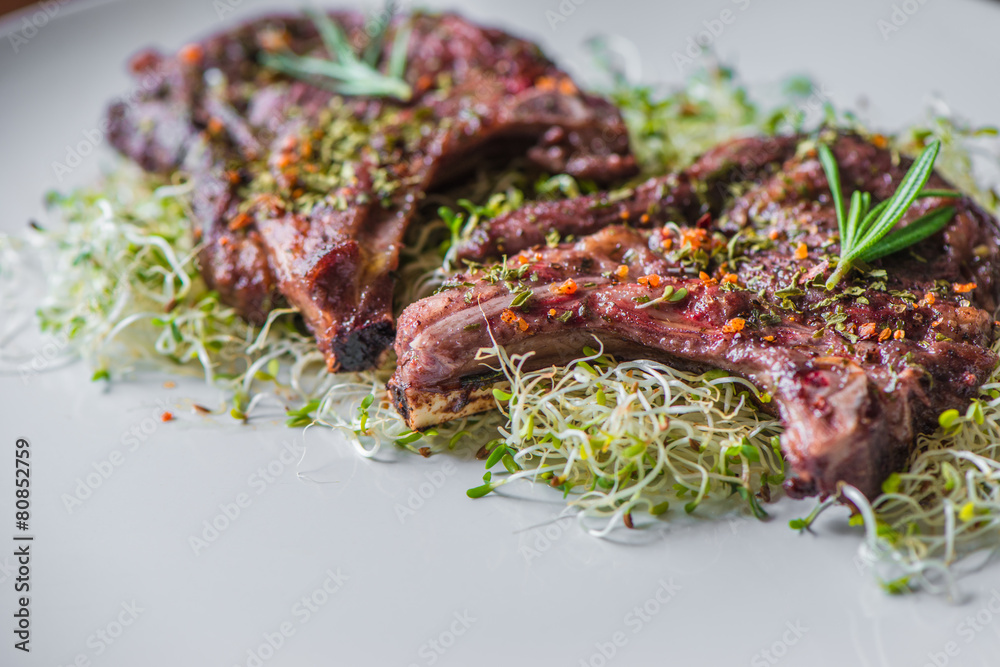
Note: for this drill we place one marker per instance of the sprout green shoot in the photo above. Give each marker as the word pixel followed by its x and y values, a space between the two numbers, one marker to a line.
pixel 614 438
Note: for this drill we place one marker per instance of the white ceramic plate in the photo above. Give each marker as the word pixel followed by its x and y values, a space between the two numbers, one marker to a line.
pixel 497 581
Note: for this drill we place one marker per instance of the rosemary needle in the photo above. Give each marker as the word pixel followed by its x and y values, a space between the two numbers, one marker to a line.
pixel 346 72
pixel 865 231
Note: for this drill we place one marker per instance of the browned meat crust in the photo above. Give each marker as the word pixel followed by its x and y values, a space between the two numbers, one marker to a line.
pixel 855 373
pixel 305 196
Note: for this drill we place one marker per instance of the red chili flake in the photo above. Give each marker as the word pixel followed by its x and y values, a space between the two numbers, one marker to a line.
pixel 928 299
pixel 508 316
pixel 651 280
pixel 143 61
pixel 731 278
pixel 899 334
pixel 867 330
pixel 734 325
pixel 769 339
pixel 567 287
pixel 166 416
pixel 962 288
pixel 694 237
pixel 801 251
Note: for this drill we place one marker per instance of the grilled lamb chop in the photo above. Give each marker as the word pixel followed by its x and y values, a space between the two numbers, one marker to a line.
pixel 305 196
pixel 690 194
pixel 855 373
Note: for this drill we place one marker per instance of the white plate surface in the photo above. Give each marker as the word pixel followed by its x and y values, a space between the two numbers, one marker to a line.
pixel 457 582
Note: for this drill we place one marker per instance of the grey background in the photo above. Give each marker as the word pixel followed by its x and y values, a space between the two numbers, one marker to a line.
pixel 741 582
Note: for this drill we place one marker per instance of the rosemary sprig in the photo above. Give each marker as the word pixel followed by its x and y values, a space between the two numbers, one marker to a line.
pixel 865 231
pixel 346 72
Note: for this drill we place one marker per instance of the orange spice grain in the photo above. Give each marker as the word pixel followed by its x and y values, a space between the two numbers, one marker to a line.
pixel 651 280
pixel 166 416
pixel 880 141
pixel 240 221
pixel 769 339
pixel 521 259
pixel 508 316
pixel 734 325
pixel 644 218
pixel 169 384
pixel 273 40
pixel 622 271
pixel 567 287
pixel 424 82
pixel 546 83
pixel 191 54
pixel 962 288
pixel 801 251
pixel 899 334
pixel 774 234
pixel 552 312
pixel 730 278
pixel 567 87
pixel 694 237
pixel 668 243
pixel 928 299
pixel 885 335
pixel 215 126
